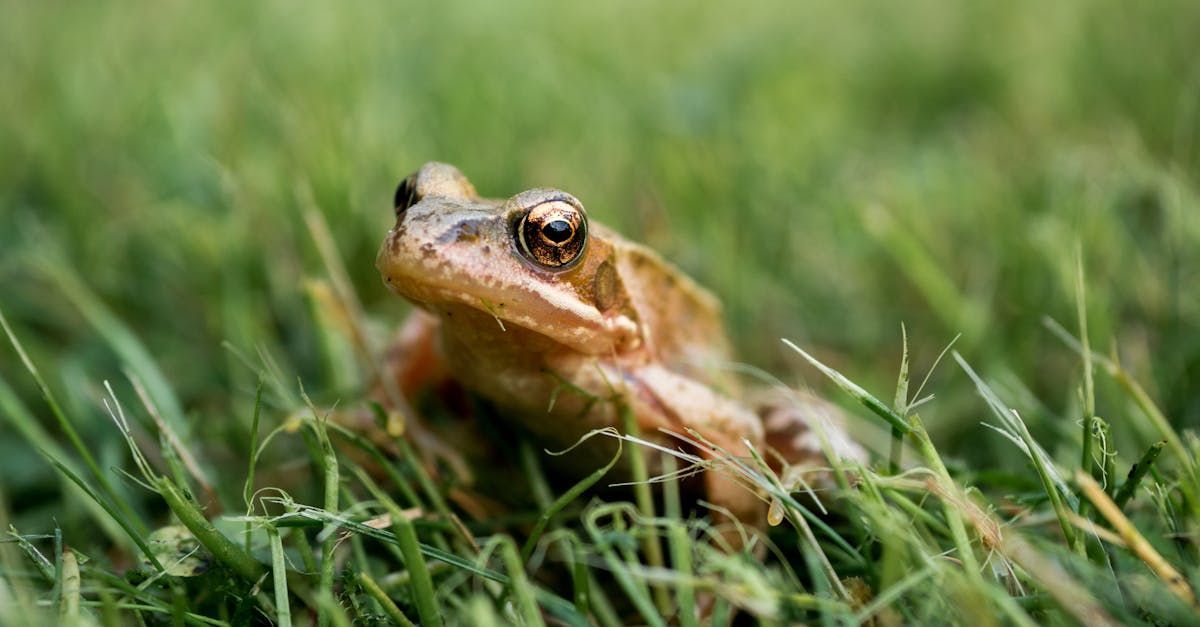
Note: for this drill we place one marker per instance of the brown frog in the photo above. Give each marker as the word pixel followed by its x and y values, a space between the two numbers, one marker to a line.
pixel 559 322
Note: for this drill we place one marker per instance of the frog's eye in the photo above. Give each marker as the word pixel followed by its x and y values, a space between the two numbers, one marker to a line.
pixel 406 195
pixel 553 234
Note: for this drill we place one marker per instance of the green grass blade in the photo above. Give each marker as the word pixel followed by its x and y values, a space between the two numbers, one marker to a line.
pixel 414 560
pixel 899 405
pixel 621 566
pixel 283 605
pixel 1137 472
pixel 679 545
pixel 644 499
pixel 68 429
pixel 564 500
pixel 134 534
pixel 522 591
pixel 1055 488
pixel 252 460
pixel 853 389
pixel 123 342
pixel 222 548
pixel 22 420
pixel 389 606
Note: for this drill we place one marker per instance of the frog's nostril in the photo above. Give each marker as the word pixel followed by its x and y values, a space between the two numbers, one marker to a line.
pixel 406 195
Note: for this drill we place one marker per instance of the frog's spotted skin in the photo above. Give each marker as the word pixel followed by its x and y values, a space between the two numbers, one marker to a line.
pixel 532 301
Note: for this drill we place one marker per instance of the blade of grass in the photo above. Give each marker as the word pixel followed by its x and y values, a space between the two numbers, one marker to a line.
pixel 1137 472
pixel 891 594
pixel 756 478
pixel 580 580
pixel 679 546
pixel 385 463
pixel 954 518
pixel 620 570
pixel 148 600
pixel 252 463
pixel 305 516
pixel 134 534
pixel 283 606
pixel 187 617
pixel 522 592
pixel 1108 456
pixel 176 445
pixel 121 340
pixel 1085 453
pixel 410 548
pixel 328 463
pixel 533 473
pixel 899 405
pixel 68 603
pixel 566 498
pixel 35 434
pixel 645 502
pixel 68 429
pixel 1134 540
pixel 1143 401
pixel 318 228
pixel 222 548
pixel 41 564
pixel 814 553
pixel 389 606
pixel 1051 482
pixel 853 389
pixel 1089 390
pixel 428 487
pixel 1070 594
pixel 917 512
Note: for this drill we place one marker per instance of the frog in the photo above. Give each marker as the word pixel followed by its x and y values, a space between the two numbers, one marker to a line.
pixel 568 329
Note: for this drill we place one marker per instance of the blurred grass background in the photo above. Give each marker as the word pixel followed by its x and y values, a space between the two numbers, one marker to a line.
pixel 830 170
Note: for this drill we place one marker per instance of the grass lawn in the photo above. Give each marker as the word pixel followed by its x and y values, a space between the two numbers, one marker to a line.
pixel 192 197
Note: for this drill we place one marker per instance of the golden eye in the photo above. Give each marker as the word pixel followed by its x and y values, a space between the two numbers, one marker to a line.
pixel 553 234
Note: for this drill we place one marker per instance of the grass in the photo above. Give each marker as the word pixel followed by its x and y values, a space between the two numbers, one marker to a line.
pixel 191 199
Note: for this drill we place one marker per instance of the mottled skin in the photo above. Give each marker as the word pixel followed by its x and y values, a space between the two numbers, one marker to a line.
pixel 618 324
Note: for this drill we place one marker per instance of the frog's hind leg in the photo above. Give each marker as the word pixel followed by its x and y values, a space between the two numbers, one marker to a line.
pixel 795 423
pixel 721 430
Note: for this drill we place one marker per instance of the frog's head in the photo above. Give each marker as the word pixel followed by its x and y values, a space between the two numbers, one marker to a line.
pixel 532 260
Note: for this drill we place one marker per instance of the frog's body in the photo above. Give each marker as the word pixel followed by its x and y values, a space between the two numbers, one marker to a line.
pixel 559 321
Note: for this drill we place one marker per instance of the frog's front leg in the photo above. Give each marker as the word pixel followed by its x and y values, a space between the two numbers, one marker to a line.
pixel 413 363
pixel 414 366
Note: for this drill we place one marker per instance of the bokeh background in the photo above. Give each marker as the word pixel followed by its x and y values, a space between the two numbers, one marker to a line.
pixel 830 170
